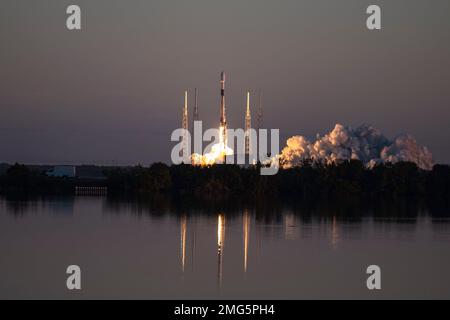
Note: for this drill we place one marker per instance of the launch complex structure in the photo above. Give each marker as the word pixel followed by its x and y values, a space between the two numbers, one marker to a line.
pixel 223 127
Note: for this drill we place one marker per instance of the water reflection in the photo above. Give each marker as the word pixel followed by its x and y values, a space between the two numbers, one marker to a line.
pixel 246 232
pixel 193 237
pixel 220 245
pixel 190 224
pixel 296 245
pixel 19 205
pixel 334 232
pixel 290 227
pixel 183 221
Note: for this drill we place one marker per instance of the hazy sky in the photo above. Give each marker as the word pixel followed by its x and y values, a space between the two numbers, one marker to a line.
pixel 114 90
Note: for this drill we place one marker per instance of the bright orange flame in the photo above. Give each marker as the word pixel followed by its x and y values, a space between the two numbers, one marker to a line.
pixel 217 153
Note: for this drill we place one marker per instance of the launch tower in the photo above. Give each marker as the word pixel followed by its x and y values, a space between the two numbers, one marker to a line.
pixel 248 125
pixel 260 113
pixel 195 118
pixel 185 123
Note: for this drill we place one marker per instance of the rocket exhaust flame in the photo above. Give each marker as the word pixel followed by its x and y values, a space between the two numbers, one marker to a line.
pixel 217 153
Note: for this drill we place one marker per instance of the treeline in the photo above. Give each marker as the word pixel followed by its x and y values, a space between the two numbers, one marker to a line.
pixel 20 178
pixel 309 181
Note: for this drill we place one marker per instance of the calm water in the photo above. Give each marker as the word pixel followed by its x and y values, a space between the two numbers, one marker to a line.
pixel 130 250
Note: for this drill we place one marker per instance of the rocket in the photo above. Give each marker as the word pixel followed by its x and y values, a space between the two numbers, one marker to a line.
pixel 247 113
pixel 223 119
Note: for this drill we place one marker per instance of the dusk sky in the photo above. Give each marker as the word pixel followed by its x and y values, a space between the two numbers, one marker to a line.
pixel 113 92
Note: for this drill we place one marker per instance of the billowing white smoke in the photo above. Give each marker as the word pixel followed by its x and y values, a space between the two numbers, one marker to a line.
pixel 364 143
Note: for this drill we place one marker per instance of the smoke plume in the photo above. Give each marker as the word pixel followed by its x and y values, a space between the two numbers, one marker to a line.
pixel 364 143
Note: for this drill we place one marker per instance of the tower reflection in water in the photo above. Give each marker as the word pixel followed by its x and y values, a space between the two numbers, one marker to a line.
pixel 183 222
pixel 334 232
pixel 246 233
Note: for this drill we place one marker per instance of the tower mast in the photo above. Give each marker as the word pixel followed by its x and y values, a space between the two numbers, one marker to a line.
pixel 260 113
pixel 195 106
pixel 185 112
pixel 248 125
pixel 185 124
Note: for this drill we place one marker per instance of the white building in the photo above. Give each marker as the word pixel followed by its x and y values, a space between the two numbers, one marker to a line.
pixel 62 171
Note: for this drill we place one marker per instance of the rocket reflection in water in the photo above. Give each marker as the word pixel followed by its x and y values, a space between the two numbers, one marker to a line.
pixel 220 245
